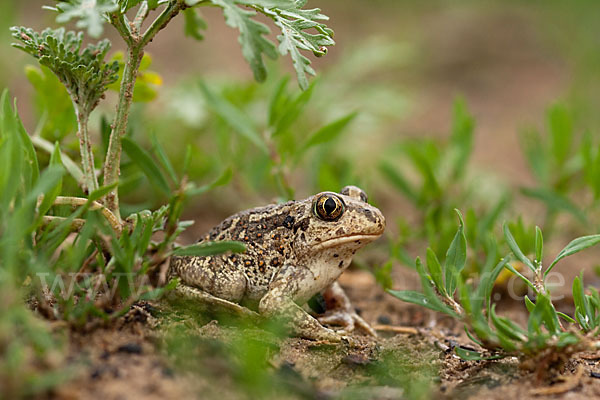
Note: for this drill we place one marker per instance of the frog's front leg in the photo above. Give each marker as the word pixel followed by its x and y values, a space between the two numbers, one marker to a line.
pixel 340 311
pixel 287 287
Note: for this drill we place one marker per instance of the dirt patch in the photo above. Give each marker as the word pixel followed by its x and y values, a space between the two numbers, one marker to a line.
pixel 166 351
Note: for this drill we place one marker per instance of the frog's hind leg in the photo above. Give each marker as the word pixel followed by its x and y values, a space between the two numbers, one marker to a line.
pixel 206 298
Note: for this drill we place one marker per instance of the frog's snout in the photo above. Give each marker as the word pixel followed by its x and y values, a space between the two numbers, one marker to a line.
pixel 375 221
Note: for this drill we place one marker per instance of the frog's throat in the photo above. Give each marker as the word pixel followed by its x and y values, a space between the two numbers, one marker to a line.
pixel 360 241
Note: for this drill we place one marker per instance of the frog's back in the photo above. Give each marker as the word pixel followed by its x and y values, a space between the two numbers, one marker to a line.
pixel 266 232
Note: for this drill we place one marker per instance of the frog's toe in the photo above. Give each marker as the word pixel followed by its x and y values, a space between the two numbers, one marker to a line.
pixel 348 320
pixel 338 318
pixel 362 324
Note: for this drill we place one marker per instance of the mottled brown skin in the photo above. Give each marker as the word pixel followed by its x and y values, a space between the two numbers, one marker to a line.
pixel 294 251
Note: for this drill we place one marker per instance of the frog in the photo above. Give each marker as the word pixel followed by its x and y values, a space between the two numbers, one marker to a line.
pixel 294 251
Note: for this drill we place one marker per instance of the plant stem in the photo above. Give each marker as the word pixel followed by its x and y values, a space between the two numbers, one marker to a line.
pixel 90 182
pixel 113 155
pixel 136 44
pixel 81 202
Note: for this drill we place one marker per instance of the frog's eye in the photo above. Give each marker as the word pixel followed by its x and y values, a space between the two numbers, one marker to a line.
pixel 328 207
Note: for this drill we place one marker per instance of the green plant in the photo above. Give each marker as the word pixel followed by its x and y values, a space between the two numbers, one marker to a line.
pixel 435 178
pixel 86 75
pixel 548 331
pixel 566 167
pixel 61 229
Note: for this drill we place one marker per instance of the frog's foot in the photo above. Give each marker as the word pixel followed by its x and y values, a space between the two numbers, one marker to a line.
pixel 349 320
pixel 341 313
pixel 206 298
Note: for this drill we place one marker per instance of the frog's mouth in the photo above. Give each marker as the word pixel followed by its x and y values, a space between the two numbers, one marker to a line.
pixel 358 240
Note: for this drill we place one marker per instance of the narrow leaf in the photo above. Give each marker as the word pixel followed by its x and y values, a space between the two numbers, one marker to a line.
pixel 435 269
pixel 514 247
pixel 456 257
pixel 539 247
pixel 52 194
pixel 146 164
pixel 575 246
pixel 329 132
pixel 234 117
pixel 220 181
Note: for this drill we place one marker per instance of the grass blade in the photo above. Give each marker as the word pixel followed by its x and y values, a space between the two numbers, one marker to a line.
pixel 146 164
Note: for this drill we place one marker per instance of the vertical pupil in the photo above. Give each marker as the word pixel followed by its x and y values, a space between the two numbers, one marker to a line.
pixel 329 205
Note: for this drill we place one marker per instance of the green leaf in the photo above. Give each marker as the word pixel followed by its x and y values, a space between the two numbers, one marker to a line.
pixel 530 305
pixel 194 24
pixel 294 23
pixel 435 269
pixel 521 276
pixel 146 164
pixel 539 247
pixel 486 284
pixel 83 72
pixel 51 98
pixel 556 201
pixel 101 192
pixel 329 132
pixel 543 313
pixel 220 181
pixel 472 355
pixel 507 327
pixel 278 101
pixel 462 137
pixel 11 152
pixel 53 193
pixel 456 257
pixel 210 248
pixel 575 246
pixel 561 133
pixel 566 317
pixel 290 113
pixel 233 116
pixel 383 275
pixel 30 153
pixel 160 153
pixel 398 181
pixel 582 307
pixel 411 296
pixel 514 247
pixel 252 36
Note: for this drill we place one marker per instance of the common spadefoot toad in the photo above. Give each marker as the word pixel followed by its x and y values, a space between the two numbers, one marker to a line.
pixel 293 251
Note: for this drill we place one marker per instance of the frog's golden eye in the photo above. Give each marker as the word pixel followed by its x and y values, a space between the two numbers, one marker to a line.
pixel 328 207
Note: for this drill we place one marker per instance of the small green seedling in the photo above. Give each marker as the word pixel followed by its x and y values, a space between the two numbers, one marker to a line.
pixel 445 290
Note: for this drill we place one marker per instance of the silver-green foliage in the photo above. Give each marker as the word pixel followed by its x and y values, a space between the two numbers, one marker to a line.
pixel 293 21
pixel 84 72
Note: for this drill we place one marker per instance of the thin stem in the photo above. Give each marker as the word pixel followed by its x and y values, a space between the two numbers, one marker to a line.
pixel 170 11
pixel 113 155
pixel 136 46
pixel 79 202
pixel 94 205
pixel 76 224
pixel 85 148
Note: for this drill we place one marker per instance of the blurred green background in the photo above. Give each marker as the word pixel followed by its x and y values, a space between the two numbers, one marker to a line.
pixel 485 106
pixel 398 64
